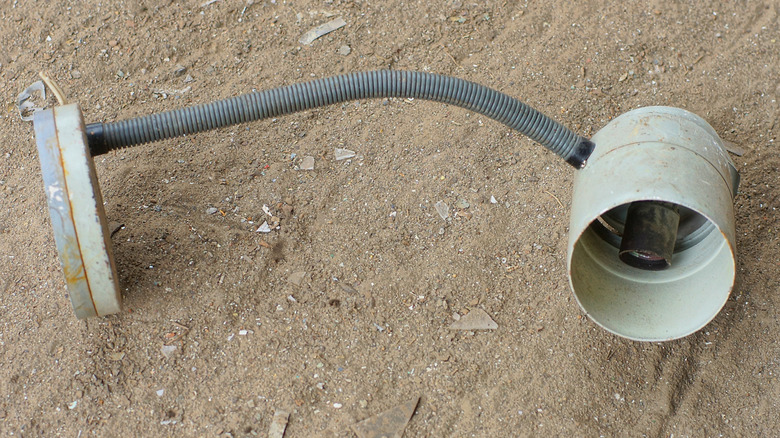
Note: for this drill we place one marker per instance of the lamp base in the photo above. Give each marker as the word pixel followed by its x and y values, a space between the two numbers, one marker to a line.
pixel 76 210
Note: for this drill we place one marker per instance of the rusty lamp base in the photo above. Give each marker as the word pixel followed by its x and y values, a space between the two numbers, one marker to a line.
pixel 76 209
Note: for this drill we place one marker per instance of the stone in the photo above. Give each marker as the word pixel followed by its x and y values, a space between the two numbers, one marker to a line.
pixel 476 319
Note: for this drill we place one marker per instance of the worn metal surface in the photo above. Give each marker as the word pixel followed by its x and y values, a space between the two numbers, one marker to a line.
pixel 76 210
pixel 26 101
pixel 654 154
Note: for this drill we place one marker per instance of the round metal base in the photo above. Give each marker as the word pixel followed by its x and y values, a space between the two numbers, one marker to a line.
pixel 76 209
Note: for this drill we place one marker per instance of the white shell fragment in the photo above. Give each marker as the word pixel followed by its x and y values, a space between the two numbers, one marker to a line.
pixel 476 319
pixel 343 154
pixel 307 163
pixel 278 424
pixel 168 350
pixel 390 423
pixel 322 30
pixel 264 228
pixel 443 209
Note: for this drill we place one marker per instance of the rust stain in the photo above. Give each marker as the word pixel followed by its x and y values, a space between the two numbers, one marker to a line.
pixel 73 268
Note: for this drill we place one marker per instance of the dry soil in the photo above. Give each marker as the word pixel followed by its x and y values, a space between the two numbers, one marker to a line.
pixel 366 326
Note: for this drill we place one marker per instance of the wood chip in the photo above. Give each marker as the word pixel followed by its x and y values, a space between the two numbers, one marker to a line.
pixel 54 87
pixel 733 148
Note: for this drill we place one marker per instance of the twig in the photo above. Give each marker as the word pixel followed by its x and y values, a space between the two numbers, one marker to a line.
pixel 181 325
pixel 554 197
pixel 444 49
pixel 179 336
pixel 54 87
pixel 695 61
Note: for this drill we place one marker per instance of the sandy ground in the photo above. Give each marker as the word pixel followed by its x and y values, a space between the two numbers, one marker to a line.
pixel 366 328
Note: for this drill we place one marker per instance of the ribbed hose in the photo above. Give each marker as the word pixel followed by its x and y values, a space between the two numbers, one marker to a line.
pixel 104 137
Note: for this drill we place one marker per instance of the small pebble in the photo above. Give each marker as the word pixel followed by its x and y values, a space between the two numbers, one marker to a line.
pixel 179 70
pixel 116 356
pixel 337 405
pixel 296 278
pixel 160 392
pixel 344 50
pixel 167 350
pixel 476 319
pixel 212 210
pixel 307 163
pixel 114 227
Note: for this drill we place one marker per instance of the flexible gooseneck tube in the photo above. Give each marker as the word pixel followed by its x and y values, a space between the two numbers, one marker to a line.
pixel 104 137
